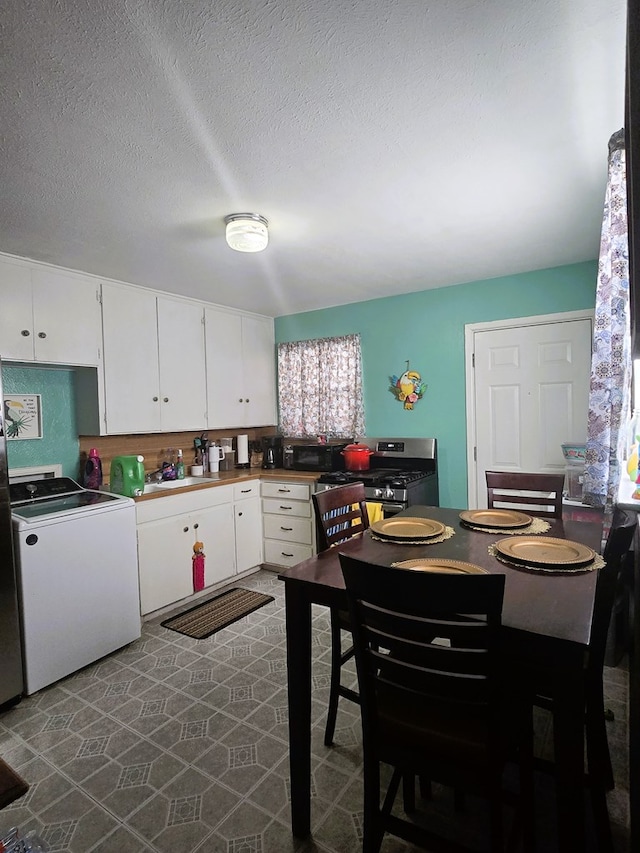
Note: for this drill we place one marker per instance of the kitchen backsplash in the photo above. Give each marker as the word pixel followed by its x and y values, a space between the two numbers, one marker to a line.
pixel 155 446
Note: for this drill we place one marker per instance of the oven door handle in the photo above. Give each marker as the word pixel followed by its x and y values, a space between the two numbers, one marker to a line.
pixel 390 509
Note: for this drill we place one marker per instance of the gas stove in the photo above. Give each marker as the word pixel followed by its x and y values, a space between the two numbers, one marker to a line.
pixel 402 472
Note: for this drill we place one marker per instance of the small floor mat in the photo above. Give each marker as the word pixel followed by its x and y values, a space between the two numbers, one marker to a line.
pixel 205 619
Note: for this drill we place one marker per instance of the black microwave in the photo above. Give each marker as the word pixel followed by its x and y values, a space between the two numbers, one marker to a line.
pixel 314 457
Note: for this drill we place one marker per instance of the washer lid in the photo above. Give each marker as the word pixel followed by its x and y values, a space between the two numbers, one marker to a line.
pixel 84 500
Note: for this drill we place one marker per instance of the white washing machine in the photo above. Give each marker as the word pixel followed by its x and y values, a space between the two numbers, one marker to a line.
pixel 77 571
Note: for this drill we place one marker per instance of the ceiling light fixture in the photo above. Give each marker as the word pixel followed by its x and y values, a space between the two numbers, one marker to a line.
pixel 247 232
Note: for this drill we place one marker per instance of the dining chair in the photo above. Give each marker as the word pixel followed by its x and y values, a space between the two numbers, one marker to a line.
pixel 340 513
pixel 535 494
pixel 599 777
pixel 12 786
pixel 437 701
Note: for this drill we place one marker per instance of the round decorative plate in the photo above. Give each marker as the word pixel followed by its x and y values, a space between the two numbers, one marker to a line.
pixel 545 551
pixel 399 529
pixel 448 567
pixel 501 518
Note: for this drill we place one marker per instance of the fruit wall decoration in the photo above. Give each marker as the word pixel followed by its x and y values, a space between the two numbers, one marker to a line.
pixel 408 388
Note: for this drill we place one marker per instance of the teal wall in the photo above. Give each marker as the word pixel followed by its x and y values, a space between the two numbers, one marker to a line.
pixel 59 442
pixel 427 328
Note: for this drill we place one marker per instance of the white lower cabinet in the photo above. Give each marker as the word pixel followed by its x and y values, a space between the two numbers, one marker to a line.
pixel 288 522
pixel 248 525
pixel 168 527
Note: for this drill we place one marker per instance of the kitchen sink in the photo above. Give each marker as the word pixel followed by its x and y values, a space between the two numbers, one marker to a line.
pixel 167 485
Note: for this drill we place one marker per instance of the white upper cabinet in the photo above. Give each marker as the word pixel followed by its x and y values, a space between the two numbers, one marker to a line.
pixel 48 315
pixel 154 362
pixel 241 387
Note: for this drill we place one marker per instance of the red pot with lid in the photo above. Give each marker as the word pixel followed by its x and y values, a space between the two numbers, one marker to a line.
pixel 356 457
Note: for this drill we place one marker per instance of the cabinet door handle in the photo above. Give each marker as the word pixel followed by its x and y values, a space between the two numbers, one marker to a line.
pixel 25 333
pixel 239 513
pixel 196 526
pixel 165 399
pixel 240 400
pixel 285 507
pixel 246 491
pixel 42 334
pixel 185 529
pixel 155 399
pixel 247 400
pixel 284 491
pixel 284 554
pixel 288 529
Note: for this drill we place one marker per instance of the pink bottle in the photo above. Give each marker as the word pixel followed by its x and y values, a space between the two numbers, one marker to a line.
pixel 93 470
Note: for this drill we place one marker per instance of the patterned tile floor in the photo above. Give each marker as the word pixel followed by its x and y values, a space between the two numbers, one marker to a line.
pixel 173 744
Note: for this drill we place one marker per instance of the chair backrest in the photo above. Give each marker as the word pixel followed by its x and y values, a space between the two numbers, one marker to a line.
pixel 535 494
pixel 341 512
pixel 424 641
pixel 619 541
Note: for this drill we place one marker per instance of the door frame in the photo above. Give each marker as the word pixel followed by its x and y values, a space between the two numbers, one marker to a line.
pixel 470 331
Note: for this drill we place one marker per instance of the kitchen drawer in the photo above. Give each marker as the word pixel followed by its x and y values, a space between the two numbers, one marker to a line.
pixel 292 491
pixel 285 554
pixel 250 489
pixel 288 529
pixel 286 506
pixel 177 504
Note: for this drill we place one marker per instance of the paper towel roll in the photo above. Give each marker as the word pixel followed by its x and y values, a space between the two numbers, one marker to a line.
pixel 242 455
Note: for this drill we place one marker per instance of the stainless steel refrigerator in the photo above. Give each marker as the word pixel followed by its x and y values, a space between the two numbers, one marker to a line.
pixel 11 683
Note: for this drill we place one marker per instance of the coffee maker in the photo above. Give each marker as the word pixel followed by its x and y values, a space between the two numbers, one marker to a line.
pixel 272 451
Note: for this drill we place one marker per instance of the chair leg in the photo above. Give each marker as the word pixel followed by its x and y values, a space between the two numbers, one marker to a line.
pixel 527 792
pixel 426 791
pixel 459 800
pixel 372 830
pixel 601 821
pixel 334 687
pixel 598 756
pixel 495 817
pixel 409 792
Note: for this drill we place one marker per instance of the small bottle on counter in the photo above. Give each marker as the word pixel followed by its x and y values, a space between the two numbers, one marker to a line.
pixel 180 466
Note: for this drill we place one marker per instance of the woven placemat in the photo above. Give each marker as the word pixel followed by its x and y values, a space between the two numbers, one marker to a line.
pixel 446 534
pixel 598 563
pixel 538 525
pixel 217 613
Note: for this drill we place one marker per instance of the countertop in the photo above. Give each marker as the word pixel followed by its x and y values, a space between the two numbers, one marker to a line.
pixel 238 475
pixel 625 491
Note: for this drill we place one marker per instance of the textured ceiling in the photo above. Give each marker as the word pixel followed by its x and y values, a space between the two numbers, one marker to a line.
pixel 394 145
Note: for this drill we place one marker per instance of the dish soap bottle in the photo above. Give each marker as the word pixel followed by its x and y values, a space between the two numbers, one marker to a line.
pixel 92 478
pixel 180 467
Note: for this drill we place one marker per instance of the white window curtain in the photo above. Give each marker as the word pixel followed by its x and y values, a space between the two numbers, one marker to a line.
pixel 320 387
pixel 610 389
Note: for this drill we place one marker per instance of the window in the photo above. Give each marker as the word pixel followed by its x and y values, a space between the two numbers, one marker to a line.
pixel 320 387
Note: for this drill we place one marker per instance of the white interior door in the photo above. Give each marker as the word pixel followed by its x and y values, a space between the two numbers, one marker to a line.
pixel 528 393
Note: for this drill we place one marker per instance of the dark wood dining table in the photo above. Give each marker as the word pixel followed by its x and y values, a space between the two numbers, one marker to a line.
pixel 546 623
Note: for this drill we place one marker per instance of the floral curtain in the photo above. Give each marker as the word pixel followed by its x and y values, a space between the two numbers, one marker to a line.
pixel 320 387
pixel 611 367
